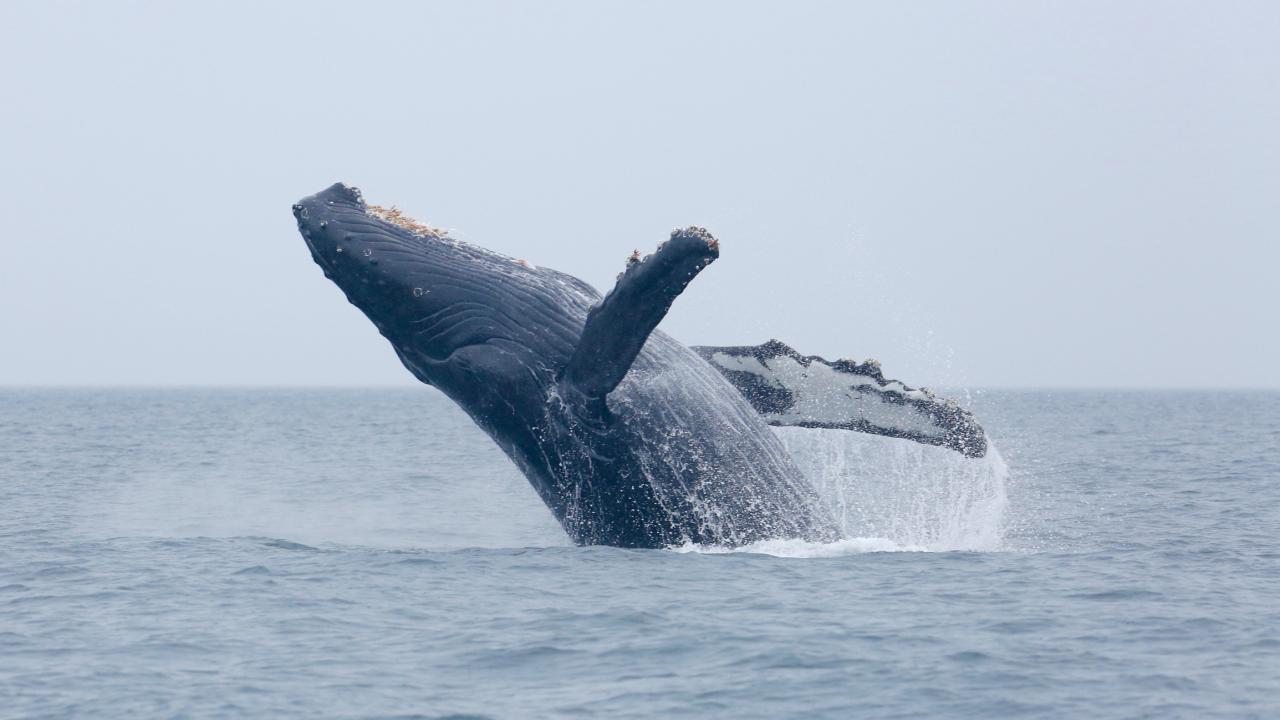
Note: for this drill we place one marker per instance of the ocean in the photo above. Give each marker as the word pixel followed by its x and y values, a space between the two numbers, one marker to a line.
pixel 320 553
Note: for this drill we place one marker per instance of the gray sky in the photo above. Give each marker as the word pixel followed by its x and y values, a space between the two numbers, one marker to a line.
pixel 987 194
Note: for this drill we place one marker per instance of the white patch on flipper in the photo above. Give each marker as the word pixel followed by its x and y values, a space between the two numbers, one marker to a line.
pixel 822 394
pixel 747 364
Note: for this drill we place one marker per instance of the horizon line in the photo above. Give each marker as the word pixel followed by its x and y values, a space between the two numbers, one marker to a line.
pixel 414 386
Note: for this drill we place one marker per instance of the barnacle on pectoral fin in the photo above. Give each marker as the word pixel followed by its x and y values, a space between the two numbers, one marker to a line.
pixel 698 232
pixel 618 326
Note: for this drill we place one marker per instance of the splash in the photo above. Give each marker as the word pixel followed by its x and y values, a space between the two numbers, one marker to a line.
pixel 891 495
pixel 794 548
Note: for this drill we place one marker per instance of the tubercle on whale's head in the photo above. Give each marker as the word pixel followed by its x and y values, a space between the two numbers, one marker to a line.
pixel 383 260
pixel 349 245
pixel 325 220
pixel 427 293
pixel 345 234
pixel 341 228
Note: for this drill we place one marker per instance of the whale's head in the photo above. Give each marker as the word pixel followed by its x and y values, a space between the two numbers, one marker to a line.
pixel 382 266
pixel 445 305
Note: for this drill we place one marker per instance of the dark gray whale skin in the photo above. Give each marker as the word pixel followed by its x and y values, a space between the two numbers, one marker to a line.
pixel 631 438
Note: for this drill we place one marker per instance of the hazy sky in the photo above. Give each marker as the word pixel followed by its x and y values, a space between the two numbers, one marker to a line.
pixel 986 194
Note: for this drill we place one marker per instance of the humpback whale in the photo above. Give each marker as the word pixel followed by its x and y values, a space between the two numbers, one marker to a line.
pixel 630 438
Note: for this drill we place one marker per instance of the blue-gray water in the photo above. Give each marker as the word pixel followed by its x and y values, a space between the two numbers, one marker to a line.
pixel 351 554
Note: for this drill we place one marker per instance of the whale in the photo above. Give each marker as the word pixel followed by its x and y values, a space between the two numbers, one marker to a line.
pixel 629 437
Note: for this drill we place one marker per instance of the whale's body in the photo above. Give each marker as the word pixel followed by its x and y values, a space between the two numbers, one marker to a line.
pixel 629 437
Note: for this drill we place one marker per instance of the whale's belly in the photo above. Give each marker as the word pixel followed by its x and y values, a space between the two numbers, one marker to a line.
pixel 709 457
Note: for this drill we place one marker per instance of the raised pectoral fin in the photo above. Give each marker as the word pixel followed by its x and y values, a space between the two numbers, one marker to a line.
pixel 788 388
pixel 616 328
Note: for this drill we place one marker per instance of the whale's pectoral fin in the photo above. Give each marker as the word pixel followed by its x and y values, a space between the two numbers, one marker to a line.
pixel 788 388
pixel 617 327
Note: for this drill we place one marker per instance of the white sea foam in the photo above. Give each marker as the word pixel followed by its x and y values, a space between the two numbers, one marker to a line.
pixel 892 495
pixel 794 548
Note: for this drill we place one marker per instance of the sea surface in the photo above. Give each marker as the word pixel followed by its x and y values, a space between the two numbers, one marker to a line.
pixel 270 553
